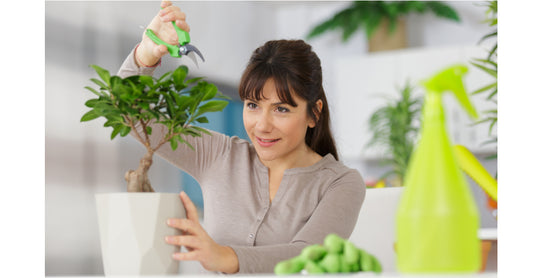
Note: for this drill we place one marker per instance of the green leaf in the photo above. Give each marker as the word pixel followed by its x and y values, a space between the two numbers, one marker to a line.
pixel 202 130
pixel 210 92
pixel 103 73
pixel 115 132
pixel 92 102
pixel 99 83
pixel 190 131
pixel 124 130
pixel 212 106
pixel 146 80
pixel 493 34
pixel 179 75
pixel 485 61
pixel 443 10
pixel 149 130
pixel 94 91
pixel 171 110
pixel 202 120
pixel 492 72
pixel 193 80
pixel 184 142
pixel 144 105
pixel 91 115
pixel 486 88
pixel 372 23
pixel 173 143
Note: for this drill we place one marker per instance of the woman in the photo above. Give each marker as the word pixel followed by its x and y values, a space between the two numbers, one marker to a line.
pixel 264 201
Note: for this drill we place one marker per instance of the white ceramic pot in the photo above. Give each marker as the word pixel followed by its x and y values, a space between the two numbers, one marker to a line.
pixel 132 232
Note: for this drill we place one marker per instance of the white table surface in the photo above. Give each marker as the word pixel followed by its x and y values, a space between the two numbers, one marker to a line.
pixel 357 275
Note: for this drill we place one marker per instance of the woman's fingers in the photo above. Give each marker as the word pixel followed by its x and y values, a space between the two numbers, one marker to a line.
pixel 186 225
pixel 191 242
pixel 192 213
pixel 160 50
pixel 172 13
pixel 186 256
pixel 165 4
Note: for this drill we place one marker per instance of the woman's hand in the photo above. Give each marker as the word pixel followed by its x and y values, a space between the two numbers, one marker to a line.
pixel 149 53
pixel 201 246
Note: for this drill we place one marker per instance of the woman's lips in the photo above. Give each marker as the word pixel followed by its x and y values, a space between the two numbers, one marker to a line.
pixel 266 142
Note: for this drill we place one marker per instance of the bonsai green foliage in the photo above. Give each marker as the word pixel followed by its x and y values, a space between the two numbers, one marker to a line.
pixel 490 66
pixel 394 127
pixel 368 15
pixel 136 102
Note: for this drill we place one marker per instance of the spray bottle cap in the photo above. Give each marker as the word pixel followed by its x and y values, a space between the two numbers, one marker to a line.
pixel 450 79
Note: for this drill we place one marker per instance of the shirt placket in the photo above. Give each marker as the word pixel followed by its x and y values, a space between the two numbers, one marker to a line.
pixel 262 212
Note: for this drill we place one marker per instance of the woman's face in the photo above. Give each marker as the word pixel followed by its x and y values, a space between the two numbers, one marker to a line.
pixel 277 130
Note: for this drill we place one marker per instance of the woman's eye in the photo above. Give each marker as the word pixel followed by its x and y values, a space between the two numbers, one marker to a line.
pixel 282 109
pixel 251 105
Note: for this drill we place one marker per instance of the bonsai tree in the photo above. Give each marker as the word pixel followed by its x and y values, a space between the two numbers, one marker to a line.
pixel 136 102
pixel 394 127
pixel 368 15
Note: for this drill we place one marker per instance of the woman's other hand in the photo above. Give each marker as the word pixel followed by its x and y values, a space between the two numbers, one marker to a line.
pixel 149 53
pixel 201 247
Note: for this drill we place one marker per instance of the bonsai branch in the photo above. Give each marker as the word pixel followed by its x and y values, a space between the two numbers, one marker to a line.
pixel 138 180
pixel 146 137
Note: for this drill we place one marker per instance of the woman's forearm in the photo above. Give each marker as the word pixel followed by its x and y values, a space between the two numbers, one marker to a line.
pixel 129 67
pixel 230 261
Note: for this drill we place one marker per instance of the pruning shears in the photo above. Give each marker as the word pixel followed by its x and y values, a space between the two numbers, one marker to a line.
pixel 184 48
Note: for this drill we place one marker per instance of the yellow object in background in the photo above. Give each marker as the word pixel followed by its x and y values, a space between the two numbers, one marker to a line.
pixel 469 163
pixel 380 184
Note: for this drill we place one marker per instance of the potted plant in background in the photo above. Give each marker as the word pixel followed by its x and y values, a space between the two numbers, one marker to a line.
pixel 489 65
pixel 383 21
pixel 394 128
pixel 133 225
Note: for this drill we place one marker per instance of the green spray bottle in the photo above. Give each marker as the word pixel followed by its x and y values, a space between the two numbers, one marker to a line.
pixel 437 219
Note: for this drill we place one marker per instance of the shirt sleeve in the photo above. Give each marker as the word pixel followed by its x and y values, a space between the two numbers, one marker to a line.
pixel 206 151
pixel 337 212
pixel 129 67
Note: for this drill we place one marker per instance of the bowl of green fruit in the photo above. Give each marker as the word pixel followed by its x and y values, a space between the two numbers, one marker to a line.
pixel 336 255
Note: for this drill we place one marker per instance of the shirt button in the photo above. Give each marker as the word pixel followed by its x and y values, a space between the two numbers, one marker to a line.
pixel 251 235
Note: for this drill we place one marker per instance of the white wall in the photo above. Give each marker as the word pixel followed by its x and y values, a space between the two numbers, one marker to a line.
pixel 80 158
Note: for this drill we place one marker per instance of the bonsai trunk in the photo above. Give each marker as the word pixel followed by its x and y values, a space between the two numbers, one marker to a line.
pixel 138 179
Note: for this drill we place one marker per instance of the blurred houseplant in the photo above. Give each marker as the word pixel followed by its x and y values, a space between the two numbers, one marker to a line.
pixel 489 65
pixel 383 21
pixel 132 225
pixel 394 127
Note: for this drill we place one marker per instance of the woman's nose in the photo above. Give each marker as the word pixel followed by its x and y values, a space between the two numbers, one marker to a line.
pixel 264 122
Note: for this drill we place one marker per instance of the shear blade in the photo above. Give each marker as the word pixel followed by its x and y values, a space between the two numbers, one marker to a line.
pixel 190 50
pixel 193 58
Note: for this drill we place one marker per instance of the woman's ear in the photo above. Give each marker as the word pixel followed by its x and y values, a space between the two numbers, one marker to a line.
pixel 318 111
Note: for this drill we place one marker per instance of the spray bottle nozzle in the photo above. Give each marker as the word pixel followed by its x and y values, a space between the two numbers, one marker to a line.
pixel 451 79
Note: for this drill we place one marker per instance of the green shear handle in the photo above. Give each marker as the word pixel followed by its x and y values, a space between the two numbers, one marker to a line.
pixel 174 50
